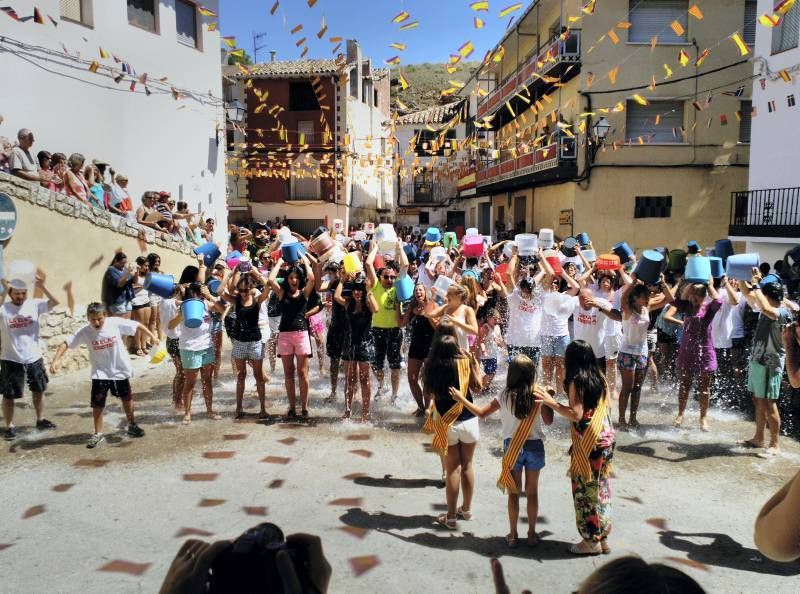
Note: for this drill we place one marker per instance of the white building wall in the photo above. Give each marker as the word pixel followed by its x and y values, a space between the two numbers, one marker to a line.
pixel 774 136
pixel 158 142
pixel 368 190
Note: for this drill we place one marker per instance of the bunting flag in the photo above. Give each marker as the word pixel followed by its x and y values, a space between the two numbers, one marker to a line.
pixel 737 39
pixel 588 8
pixel 668 70
pixel 769 21
pixel 658 119
pixel 696 12
pixel 466 50
pixel 737 93
pixel 410 26
pixel 239 53
pixel 498 55
pixel 403 16
pixel 393 61
pixel 612 35
pixel 784 74
pixel 10 12
pixel 118 78
pixel 398 46
pixel 206 12
pixel 702 57
pixel 147 91
pixel 683 58
pixel 212 26
pixel 94 66
pixel 509 9
pixel 784 6
pixel 641 100
pixel 230 41
pixel 37 16
pixel 771 106
pixel 403 82
pixel 133 86
pixel 311 4
pixel 723 120
pixel 297 29
pixel 323 29
pixel 653 42
pixel 612 75
pixel 678 28
pixel 477 6
pixel 103 54
pixel 52 20
pixel 652 85
pixel 478 22
pixel 275 7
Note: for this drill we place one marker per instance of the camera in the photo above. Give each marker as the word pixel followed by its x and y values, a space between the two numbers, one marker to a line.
pixel 248 565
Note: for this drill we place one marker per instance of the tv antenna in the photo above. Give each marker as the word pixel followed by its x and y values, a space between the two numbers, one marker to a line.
pixel 256 38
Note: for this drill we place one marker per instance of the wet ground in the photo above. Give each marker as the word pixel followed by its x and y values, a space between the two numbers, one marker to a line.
pixel 112 519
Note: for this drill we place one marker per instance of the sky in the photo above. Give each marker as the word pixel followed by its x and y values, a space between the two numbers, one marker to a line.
pixel 444 26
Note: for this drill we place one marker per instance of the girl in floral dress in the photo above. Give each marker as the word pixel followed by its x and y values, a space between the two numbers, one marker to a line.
pixel 592 448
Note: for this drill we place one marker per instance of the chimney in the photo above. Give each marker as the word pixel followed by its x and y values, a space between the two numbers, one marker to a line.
pixel 272 56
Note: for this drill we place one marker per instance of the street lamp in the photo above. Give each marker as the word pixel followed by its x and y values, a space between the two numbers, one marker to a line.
pixel 235 112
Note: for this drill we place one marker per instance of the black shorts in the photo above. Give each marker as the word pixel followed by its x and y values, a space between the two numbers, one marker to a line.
pixel 14 375
pixel 119 388
pixel 387 343
pixel 334 342
pixel 362 352
pixel 173 347
pixel 664 338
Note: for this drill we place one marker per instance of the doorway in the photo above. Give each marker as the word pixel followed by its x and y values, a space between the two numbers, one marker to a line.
pixel 520 217
pixel 484 217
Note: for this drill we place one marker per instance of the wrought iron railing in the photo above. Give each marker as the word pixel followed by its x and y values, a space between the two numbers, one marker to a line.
pixel 773 212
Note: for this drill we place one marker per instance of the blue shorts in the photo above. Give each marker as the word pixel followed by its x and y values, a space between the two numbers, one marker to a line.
pixel 120 309
pixel 489 366
pixel 531 457
pixel 554 346
pixel 196 359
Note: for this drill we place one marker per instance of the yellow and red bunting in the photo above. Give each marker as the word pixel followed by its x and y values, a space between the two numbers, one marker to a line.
pixel 498 55
pixel 683 58
pixel 394 61
pixel 403 16
pixel 296 29
pixel 783 7
pixel 677 28
pixel 702 57
pixel 206 12
pixel 466 50
pixel 509 9
pixel 213 26
pixel 94 66
pixel 784 74
pixel 478 22
pixel 403 82
pixel 612 75
pixel 230 41
pixel 588 8
pixel 479 6
pixel 612 35
pixel 275 7
pixel 696 12
pixel 398 46
pixel 410 26
pixel 769 21
pixel 740 44
pixel 641 100
pixel 668 71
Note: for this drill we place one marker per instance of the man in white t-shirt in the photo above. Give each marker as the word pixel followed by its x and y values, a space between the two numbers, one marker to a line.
pixel 111 365
pixel 20 352
pixel 590 325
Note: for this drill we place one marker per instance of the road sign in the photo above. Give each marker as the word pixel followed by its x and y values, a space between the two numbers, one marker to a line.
pixel 8 217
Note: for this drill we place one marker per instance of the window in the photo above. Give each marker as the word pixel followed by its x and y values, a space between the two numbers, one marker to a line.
pixel 354 83
pixel 186 22
pixel 302 97
pixel 375 98
pixel 749 27
pixel 649 207
pixel 746 111
pixel 424 217
pixel 75 10
pixel 305 128
pixel 790 101
pixel 651 18
pixel 640 121
pixel 305 178
pixel 142 13
pixel 785 36
pixel 230 140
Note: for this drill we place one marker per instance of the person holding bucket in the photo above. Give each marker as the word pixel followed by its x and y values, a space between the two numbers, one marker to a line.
pixel 420 330
pixel 524 310
pixel 294 343
pixel 196 348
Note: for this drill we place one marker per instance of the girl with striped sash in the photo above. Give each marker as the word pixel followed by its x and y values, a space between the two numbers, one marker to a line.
pixel 455 429
pixel 592 448
pixel 521 415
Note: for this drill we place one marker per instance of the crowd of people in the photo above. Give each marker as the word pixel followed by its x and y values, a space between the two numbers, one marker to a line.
pixel 97 184
pixel 576 338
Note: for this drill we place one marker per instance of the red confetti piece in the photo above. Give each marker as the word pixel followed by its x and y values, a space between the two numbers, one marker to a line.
pixel 218 455
pixel 201 477
pixel 355 531
pixel 659 523
pixel 31 512
pixel 288 441
pixel 359 437
pixel 276 484
pixel 90 463
pixel 129 567
pixel 255 510
pixel 354 475
pixel 348 501
pixel 276 460
pixel 689 562
pixel 4 546
pixel 234 436
pixel 210 502
pixel 192 532
pixel 63 487
pixel 362 453
pixel 362 565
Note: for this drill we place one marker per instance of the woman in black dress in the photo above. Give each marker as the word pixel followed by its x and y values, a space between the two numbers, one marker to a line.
pixel 420 332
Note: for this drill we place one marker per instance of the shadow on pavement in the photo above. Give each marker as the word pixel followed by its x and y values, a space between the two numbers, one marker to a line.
pixel 390 482
pixel 492 546
pixel 689 451
pixel 723 551
pixel 74 439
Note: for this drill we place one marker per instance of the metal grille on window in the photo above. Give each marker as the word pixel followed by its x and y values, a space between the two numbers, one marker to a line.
pixel 785 36
pixel 749 26
pixel 653 207
pixel 186 21
pixel 71 9
pixel 641 122
pixel 651 18
pixel 746 110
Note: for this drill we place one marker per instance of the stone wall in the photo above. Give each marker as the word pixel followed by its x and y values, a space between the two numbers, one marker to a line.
pixel 73 244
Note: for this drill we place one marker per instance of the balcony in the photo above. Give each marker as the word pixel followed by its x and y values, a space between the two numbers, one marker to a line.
pixel 546 163
pixel 774 212
pixel 560 60
pixel 431 192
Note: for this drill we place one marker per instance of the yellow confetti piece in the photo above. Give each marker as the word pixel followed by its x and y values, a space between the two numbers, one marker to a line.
pixel 683 58
pixel 323 29
pixel 403 82
pixel 484 6
pixel 653 42
pixel 511 111
pixel 297 29
pixel 482 92
pixel 260 108
pixel 573 19
pixel 94 66
pixel 612 75
pixel 737 39
pixel 784 74
pixel 613 36
pixel 400 104
pixel 509 9
pixel 398 46
pixel 678 28
pixel 588 8
pixel 696 12
pixel 304 52
pixel 300 41
pixel 641 100
pixel 456 84
pixel 658 119
pixel 652 85
pixel 668 70
pixel 478 22
pixel 336 39
pixel 466 50
pixel 410 26
pixel 403 16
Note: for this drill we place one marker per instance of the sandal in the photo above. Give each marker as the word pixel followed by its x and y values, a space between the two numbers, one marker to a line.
pixel 534 539
pixel 582 548
pixel 304 413
pixel 463 514
pixel 445 522
pixel 291 414
pixel 604 547
pixel 511 541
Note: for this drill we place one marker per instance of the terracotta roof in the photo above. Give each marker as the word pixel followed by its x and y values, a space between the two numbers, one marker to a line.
pixel 292 68
pixel 438 114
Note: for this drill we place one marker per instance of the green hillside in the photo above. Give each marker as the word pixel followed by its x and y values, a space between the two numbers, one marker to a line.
pixel 426 83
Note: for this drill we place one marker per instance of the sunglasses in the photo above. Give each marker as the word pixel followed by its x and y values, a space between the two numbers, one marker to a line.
pixel 387 277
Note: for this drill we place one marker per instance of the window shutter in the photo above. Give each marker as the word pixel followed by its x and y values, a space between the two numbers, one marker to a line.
pixel 746 108
pixel 186 21
pixel 651 18
pixel 641 121
pixel 749 26
pixel 785 36
pixel 71 9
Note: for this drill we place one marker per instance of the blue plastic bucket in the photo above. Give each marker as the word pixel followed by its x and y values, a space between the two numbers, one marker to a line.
pixel 233 258
pixel 623 250
pixel 404 287
pixel 693 247
pixel 649 267
pixel 770 279
pixel 194 310
pixel 583 239
pixel 209 251
pixel 162 285
pixel 411 252
pixel 723 248
pixel 740 266
pixel 717 269
pixel 291 252
pixel 433 235
pixel 698 269
pixel 213 286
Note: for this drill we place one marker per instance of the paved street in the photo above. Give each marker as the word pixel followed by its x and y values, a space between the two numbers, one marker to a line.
pixel 371 492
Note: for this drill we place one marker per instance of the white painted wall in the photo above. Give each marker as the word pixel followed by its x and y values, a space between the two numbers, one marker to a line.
pixel 774 138
pixel 159 143
pixel 368 189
